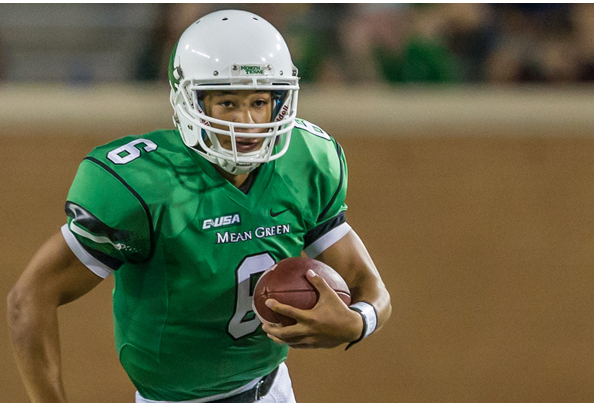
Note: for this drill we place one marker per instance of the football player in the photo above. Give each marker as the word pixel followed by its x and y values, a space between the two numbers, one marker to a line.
pixel 186 220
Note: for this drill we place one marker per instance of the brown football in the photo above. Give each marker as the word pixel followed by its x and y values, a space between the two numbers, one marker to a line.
pixel 287 283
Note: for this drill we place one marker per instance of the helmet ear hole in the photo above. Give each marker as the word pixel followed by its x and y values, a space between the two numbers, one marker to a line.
pixel 278 99
pixel 200 95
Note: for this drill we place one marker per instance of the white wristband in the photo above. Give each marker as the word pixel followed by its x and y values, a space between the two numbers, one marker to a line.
pixel 369 316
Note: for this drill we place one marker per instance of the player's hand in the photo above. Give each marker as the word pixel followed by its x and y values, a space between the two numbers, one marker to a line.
pixel 329 324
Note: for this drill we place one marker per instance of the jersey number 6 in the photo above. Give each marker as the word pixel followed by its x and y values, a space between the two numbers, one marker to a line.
pixel 129 152
pixel 244 320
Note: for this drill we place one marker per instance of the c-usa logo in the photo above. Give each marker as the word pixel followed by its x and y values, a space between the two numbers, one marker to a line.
pixel 221 221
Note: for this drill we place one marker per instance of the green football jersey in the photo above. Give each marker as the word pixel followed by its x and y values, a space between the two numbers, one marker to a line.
pixel 187 248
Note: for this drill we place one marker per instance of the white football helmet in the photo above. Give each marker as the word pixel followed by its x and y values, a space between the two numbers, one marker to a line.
pixel 232 50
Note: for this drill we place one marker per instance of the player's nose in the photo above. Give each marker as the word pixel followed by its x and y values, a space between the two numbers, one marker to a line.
pixel 244 116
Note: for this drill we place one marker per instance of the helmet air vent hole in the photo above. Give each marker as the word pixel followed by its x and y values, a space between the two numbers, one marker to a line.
pixel 255 18
pixel 225 19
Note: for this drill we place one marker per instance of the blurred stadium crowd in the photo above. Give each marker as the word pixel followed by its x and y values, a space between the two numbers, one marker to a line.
pixel 330 43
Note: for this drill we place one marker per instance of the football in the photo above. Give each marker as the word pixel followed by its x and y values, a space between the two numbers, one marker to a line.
pixel 286 282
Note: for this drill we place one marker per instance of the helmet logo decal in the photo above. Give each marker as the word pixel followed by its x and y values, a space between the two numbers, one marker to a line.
pixel 252 69
pixel 282 113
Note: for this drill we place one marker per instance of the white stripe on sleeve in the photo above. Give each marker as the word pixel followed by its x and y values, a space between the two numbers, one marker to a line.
pixel 98 239
pixel 96 266
pixel 324 242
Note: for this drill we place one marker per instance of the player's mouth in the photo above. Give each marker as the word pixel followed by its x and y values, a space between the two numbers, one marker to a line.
pixel 247 145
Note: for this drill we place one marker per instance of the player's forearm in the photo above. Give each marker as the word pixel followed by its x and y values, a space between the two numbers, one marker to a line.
pixel 35 340
pixel 350 258
pixel 373 291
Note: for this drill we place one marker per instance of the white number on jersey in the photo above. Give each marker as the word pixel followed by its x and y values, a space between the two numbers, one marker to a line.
pixel 244 320
pixel 312 128
pixel 129 152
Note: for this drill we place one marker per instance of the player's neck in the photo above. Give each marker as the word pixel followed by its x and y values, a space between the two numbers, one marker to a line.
pixel 235 180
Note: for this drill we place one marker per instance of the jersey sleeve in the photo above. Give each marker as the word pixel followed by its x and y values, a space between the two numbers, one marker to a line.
pixel 330 225
pixel 107 223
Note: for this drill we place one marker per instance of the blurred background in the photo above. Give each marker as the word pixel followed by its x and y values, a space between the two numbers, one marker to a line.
pixel 330 43
pixel 468 131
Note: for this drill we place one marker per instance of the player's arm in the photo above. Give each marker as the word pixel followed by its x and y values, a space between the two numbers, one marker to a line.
pixel 350 258
pixel 53 277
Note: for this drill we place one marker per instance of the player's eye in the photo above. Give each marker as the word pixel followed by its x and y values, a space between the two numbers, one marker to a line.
pixel 260 102
pixel 225 103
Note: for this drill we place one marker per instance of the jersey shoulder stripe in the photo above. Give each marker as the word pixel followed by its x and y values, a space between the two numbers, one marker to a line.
pixel 107 214
pixel 138 197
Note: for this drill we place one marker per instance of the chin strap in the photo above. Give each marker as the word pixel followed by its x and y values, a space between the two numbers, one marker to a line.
pixel 233 169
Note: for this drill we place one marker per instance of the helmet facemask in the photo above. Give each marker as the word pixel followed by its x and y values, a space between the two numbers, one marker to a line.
pixel 198 132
